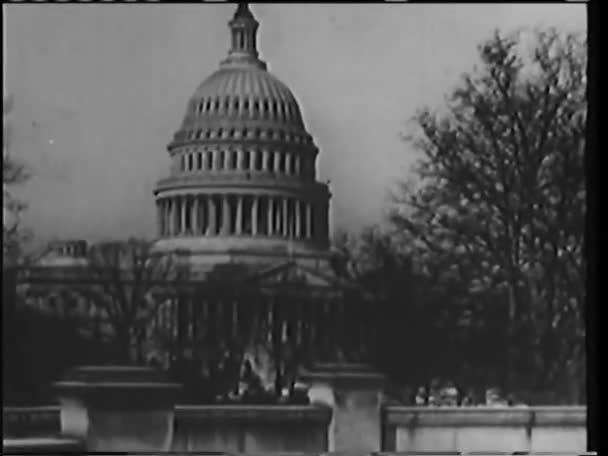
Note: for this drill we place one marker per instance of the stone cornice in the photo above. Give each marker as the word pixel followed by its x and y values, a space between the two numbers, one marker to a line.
pixel 240 183
pixel 254 413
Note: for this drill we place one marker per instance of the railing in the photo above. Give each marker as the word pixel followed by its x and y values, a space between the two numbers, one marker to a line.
pixel 20 422
pixel 526 429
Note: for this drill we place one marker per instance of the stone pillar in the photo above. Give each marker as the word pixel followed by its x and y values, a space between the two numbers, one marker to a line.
pixel 354 392
pixel 240 165
pixel 159 217
pixel 298 165
pixel 285 218
pixel 182 208
pixel 308 219
pixel 194 215
pixel 277 156
pixel 225 215
pixel 270 216
pixel 175 216
pixel 118 408
pixel 239 215
pixel 287 163
pixel 254 215
pixel 212 222
pixel 298 216
pixel 265 157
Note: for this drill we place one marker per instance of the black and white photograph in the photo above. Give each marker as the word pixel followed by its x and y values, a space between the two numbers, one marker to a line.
pixel 296 228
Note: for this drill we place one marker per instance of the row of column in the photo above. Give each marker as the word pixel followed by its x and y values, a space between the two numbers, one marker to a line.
pixel 235 214
pixel 246 160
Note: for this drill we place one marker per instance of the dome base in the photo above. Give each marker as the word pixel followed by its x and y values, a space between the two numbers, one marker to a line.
pixel 205 253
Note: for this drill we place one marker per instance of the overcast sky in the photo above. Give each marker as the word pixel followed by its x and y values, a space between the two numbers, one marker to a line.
pixel 99 91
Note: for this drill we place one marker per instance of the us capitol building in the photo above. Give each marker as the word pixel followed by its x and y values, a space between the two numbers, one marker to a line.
pixel 243 186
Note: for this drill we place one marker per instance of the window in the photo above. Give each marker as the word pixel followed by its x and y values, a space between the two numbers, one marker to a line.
pixel 217 104
pixel 208 107
pixel 189 162
pixel 200 160
pixel 198 134
pixel 236 104
pixel 200 107
pixel 244 132
pixel 219 133
pixel 233 159
pixel 271 161
pixel 256 133
pixel 265 106
pixel 227 104
pixel 255 105
pixel 221 161
pixel 246 104
pixel 231 133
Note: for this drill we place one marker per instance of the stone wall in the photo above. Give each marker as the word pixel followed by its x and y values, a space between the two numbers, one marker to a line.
pixel 251 428
pixel 304 429
pixel 469 429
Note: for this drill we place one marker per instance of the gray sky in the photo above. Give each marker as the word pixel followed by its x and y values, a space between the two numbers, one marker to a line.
pixel 99 91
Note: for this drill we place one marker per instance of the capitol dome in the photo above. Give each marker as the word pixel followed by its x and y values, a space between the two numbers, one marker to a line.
pixel 242 185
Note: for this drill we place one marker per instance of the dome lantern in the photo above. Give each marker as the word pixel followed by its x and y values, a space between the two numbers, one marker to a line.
pixel 243 28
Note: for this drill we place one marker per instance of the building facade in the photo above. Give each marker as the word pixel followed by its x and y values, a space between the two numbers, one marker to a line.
pixel 243 183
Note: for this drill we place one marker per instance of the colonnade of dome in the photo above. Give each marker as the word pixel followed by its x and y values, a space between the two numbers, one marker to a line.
pixel 234 214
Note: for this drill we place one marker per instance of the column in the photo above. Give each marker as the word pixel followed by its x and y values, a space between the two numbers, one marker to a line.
pixel 277 158
pixel 194 216
pixel 175 215
pixel 308 219
pixel 298 159
pixel 270 216
pixel 287 163
pixel 265 157
pixel 159 217
pixel 254 215
pixel 240 160
pixel 183 208
pixel 225 215
pixel 239 215
pixel 298 210
pixel 212 223
pixel 285 218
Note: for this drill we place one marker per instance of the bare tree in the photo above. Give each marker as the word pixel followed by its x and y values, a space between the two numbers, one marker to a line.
pixel 127 283
pixel 500 195
pixel 14 173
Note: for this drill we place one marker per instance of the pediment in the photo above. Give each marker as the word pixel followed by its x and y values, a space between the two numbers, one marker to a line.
pixel 294 274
